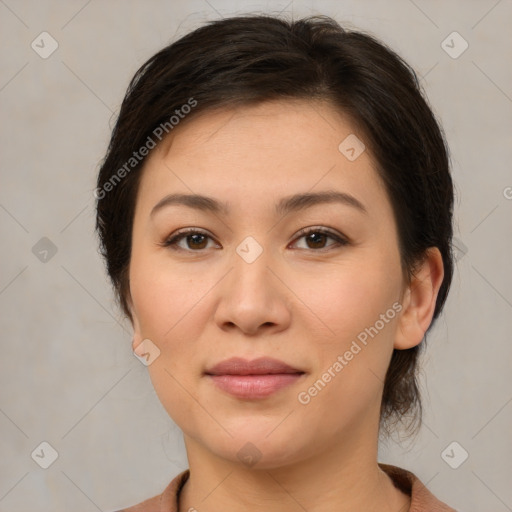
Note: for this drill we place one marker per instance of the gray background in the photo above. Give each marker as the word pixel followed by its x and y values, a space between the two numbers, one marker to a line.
pixel 68 376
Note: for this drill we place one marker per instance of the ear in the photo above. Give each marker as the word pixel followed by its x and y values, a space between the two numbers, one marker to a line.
pixel 420 300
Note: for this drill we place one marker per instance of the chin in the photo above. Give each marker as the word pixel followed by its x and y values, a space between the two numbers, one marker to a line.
pixel 252 450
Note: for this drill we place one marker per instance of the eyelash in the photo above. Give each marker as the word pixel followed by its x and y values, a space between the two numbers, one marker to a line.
pixel 172 241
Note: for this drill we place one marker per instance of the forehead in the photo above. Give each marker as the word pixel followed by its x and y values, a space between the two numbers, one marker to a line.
pixel 292 127
pixel 253 153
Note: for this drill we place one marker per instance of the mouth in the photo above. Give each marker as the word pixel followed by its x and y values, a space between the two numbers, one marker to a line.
pixel 252 380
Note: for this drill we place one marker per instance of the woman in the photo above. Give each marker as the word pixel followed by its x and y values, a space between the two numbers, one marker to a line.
pixel 275 211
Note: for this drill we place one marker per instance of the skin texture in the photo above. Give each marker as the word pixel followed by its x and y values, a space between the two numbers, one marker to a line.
pixel 302 301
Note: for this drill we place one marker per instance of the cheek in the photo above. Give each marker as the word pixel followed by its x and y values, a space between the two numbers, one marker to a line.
pixel 351 298
pixel 168 308
pixel 165 299
pixel 359 312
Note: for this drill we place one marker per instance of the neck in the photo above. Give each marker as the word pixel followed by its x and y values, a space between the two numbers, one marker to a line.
pixel 342 480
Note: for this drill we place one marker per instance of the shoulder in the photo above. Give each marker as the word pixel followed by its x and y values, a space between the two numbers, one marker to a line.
pixel 165 502
pixel 422 500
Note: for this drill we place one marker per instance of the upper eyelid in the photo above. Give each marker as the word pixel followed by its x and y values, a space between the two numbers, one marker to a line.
pixel 312 229
pixel 181 234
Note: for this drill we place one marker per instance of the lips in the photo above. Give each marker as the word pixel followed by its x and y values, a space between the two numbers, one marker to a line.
pixel 251 380
pixel 261 366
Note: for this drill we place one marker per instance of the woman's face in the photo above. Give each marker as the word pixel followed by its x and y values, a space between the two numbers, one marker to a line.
pixel 249 284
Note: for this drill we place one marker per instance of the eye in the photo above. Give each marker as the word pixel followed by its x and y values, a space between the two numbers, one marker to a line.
pixel 194 239
pixel 316 238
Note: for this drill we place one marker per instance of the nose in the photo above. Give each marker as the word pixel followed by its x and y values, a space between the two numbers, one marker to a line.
pixel 252 298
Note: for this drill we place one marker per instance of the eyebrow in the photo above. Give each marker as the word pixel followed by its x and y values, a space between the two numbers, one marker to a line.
pixel 286 205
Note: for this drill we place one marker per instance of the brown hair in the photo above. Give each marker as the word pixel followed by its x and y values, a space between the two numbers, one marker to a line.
pixel 245 60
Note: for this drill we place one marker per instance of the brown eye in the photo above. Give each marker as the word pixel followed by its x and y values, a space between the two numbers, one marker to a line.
pixel 194 240
pixel 316 238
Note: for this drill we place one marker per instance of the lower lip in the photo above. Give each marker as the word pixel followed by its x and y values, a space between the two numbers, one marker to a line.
pixel 254 386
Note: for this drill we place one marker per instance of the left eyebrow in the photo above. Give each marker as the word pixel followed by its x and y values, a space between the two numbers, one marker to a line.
pixel 307 200
pixel 286 205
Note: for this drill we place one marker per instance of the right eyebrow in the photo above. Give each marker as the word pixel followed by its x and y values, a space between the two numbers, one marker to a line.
pixel 195 201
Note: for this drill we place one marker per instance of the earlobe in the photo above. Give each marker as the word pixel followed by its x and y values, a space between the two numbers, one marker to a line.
pixel 420 301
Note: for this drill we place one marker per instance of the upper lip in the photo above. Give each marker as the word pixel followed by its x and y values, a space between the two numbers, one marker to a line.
pixel 260 366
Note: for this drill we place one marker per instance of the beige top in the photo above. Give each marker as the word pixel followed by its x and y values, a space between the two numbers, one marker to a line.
pixel 422 500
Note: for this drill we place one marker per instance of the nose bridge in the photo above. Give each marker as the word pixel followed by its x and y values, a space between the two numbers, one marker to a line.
pixel 251 296
pixel 250 273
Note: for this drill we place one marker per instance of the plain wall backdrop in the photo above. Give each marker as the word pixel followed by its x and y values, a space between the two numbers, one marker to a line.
pixel 68 376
